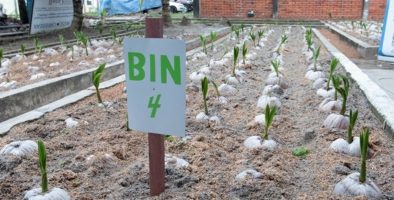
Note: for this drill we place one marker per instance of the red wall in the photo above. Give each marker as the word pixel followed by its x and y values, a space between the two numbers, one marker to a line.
pixel 292 9
pixel 376 9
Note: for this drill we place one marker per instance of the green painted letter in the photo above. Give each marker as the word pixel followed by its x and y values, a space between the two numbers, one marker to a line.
pixel 134 65
pixel 175 71
pixel 152 68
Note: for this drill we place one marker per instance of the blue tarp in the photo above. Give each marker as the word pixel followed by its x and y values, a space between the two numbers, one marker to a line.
pixel 114 7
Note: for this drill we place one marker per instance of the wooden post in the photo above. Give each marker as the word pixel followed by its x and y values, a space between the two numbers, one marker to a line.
pixel 154 29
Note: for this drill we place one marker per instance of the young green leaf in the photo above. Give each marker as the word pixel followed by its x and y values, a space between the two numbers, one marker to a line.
pixel 316 53
pixel 204 89
pixel 96 77
pixel 61 39
pixel 237 33
pixel 300 151
pixel 244 52
pixel 42 161
pixel 213 36
pixel 242 27
pixel 1 56
pixel 235 59
pixel 36 44
pixel 113 36
pixel 364 140
pixel 336 81
pixel 269 114
pixel 203 41
pixel 333 66
pixel 23 49
pixel 260 34
pixel 253 38
pixel 343 90
pixel 216 88
pixel 275 64
pixel 352 122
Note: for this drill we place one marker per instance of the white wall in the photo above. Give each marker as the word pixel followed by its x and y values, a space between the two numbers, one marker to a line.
pixel 9 6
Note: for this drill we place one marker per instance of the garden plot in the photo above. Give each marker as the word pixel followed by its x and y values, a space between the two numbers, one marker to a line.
pixel 368 31
pixel 99 159
pixel 48 63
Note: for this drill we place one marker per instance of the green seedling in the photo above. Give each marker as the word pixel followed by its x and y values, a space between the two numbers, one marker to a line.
pixel 113 36
pixel 260 34
pixel 72 51
pixel 42 161
pixel 235 59
pixel 213 36
pixel 83 40
pixel 333 66
pixel 120 40
pixel 203 41
pixel 300 151
pixel 225 52
pixel 96 77
pixel 309 41
pixel 343 90
pixel 283 39
pixel 1 56
pixel 275 64
pixel 253 38
pixel 316 53
pixel 233 28
pixel 36 45
pixel 352 122
pixel 204 89
pixel 237 33
pixel 336 81
pixel 364 140
pixel 61 39
pixel 169 138
pixel 216 88
pixel 244 52
pixel 23 49
pixel 242 27
pixel 269 118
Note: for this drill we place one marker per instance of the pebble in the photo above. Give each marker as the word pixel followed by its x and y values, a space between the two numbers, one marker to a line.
pixel 309 134
pixel 71 123
pixel 248 173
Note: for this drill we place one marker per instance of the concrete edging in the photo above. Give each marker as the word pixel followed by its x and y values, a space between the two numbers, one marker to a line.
pixel 376 96
pixel 366 50
pixel 47 101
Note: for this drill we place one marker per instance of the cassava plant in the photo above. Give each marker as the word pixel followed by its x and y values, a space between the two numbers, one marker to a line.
pixel 96 77
pixel 42 161
pixel 253 38
pixel 23 49
pixel 333 66
pixel 364 139
pixel 204 89
pixel 213 36
pixel 203 41
pixel 244 52
pixel 352 122
pixel 269 114
pixel 235 59
pixel 316 53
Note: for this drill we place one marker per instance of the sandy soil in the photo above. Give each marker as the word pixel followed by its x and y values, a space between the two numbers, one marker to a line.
pixel 119 168
pixel 20 72
pixel 373 38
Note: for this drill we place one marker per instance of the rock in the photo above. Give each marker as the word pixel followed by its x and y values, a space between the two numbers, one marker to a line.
pixel 309 135
pixel 232 80
pixel 8 163
pixel 71 123
pixel 274 80
pixel 175 162
pixel 20 148
pixel 257 142
pixel 37 76
pixel 53 194
pixel 248 173
pixel 336 121
pixel 319 83
pixel 342 170
pixel 202 116
pixel 223 100
pixel 329 105
pixel 314 75
pixel 342 146
pixel 271 90
pixel 215 120
pixel 263 101
pixel 351 186
pixel 326 93
pixel 197 77
pixel 227 90
pixel 260 119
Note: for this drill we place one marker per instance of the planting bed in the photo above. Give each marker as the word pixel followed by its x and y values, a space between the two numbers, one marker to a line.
pixel 19 71
pixel 99 159
pixel 369 31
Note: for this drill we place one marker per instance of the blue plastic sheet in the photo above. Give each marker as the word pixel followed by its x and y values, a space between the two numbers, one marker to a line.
pixel 115 7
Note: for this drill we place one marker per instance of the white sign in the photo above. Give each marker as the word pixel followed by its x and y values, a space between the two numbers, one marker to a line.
pixel 386 48
pixel 155 78
pixel 51 15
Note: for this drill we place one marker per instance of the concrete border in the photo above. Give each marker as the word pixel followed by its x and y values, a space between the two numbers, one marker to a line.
pixel 377 97
pixel 56 90
pixel 366 50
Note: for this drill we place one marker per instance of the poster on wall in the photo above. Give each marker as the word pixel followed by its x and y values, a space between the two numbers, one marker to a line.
pixel 386 47
pixel 49 15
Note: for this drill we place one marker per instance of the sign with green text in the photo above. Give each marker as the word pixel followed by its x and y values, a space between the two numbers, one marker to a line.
pixel 155 81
